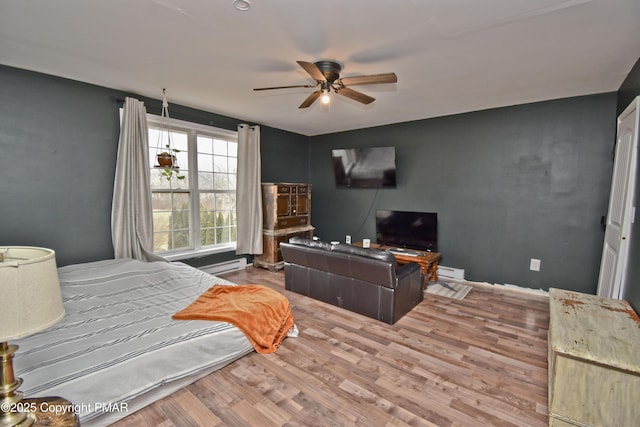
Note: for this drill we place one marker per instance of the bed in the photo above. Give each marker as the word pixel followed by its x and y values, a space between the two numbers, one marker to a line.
pixel 117 342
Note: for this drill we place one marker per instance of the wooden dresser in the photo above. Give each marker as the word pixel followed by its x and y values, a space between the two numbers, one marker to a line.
pixel 286 212
pixel 594 361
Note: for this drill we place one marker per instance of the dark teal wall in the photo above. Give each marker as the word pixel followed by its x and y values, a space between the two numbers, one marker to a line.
pixel 58 152
pixel 509 184
pixel 629 90
pixel 284 156
pixel 58 144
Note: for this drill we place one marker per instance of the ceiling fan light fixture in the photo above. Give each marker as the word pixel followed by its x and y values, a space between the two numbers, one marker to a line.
pixel 325 97
pixel 326 74
pixel 242 5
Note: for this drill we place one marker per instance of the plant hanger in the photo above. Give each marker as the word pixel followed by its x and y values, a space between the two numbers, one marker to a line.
pixel 166 153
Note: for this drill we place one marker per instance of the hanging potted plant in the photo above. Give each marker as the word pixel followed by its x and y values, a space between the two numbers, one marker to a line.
pixel 166 158
pixel 168 162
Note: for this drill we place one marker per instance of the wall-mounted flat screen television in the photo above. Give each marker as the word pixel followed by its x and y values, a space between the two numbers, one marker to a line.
pixel 371 167
pixel 412 230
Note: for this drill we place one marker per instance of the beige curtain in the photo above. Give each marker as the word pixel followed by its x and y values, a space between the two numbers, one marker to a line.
pixel 249 191
pixel 131 211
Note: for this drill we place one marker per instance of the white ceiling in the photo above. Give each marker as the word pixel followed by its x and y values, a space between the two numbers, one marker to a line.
pixel 450 56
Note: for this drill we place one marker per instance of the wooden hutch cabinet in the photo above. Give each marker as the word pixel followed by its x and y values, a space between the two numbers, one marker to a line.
pixel 286 212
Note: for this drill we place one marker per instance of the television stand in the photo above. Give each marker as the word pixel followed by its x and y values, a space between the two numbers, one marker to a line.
pixel 428 260
pixel 403 251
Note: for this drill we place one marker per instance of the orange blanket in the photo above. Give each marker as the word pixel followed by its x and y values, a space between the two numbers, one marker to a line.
pixel 263 314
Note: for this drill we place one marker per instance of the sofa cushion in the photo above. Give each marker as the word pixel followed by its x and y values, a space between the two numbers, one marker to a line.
pixel 365 252
pixel 310 243
pixel 348 262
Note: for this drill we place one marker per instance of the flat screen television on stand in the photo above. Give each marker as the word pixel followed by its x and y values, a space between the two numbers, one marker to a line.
pixel 371 167
pixel 411 230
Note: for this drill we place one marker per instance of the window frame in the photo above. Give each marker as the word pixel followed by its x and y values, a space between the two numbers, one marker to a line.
pixel 192 130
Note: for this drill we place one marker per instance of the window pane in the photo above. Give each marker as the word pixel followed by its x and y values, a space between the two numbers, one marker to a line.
pixel 220 222
pixel 181 239
pixel 205 144
pixel 219 182
pixel 207 219
pixel 182 158
pixel 152 154
pixel 166 178
pixel 220 147
pixel 178 179
pixel 180 201
pixel 233 149
pixel 161 201
pixel 226 201
pixel 205 163
pixel 220 164
pixel 207 228
pixel 161 220
pixel 207 202
pixel 205 180
pixel 181 220
pixel 179 140
pixel 161 241
pixel 157 180
pixel 161 137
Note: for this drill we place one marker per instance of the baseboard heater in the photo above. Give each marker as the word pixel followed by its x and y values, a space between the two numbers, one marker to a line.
pixel 450 273
pixel 225 266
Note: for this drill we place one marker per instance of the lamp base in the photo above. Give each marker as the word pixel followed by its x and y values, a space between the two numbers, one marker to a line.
pixel 12 412
pixel 26 419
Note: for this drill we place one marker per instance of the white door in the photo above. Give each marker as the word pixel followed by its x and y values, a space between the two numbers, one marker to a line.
pixel 621 205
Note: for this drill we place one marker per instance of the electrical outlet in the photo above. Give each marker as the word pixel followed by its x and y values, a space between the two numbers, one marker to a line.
pixel 347 239
pixel 534 265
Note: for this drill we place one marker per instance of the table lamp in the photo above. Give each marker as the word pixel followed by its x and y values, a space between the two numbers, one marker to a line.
pixel 31 302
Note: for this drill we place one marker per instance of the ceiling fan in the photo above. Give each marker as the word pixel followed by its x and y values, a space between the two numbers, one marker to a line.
pixel 327 77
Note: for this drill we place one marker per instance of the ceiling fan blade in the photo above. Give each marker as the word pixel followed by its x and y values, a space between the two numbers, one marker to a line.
pixel 369 80
pixel 282 87
pixel 355 95
pixel 310 99
pixel 313 70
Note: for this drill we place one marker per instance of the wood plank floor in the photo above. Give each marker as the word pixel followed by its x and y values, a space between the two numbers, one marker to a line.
pixel 479 361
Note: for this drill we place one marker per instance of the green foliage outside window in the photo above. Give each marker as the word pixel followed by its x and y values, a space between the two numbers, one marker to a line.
pixel 216 227
pixel 180 222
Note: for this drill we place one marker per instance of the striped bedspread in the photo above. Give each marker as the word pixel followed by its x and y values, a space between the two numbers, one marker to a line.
pixel 117 342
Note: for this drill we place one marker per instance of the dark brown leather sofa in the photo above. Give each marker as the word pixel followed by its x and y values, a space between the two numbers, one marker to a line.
pixel 365 281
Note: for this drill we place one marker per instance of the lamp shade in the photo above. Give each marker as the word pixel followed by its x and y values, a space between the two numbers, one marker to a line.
pixel 30 290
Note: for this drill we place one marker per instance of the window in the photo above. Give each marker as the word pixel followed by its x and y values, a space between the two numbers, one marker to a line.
pixel 194 207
